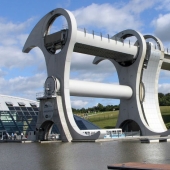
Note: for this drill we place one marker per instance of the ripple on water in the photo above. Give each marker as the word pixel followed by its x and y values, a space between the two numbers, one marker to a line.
pixel 80 156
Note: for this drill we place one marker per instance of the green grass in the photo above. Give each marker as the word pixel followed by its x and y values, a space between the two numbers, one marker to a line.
pixel 165 110
pixel 104 120
pixel 108 119
pixel 106 124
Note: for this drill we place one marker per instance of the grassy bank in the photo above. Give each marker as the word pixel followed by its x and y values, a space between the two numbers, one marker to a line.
pixel 105 119
pixel 165 110
pixel 109 119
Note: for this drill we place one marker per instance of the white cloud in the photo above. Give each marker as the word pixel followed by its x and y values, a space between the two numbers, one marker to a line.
pixel 2 73
pixel 21 74
pixel 26 87
pixel 11 44
pixel 78 103
pixel 112 17
pixel 138 6
pixel 7 27
pixel 164 88
pixel 12 33
pixel 108 17
pixel 164 5
pixel 13 57
pixel 84 62
pixel 162 25
pixel 38 59
pixel 86 102
pixel 21 38
pixel 82 68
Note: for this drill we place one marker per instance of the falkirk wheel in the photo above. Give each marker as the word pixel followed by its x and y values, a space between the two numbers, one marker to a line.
pixel 138 67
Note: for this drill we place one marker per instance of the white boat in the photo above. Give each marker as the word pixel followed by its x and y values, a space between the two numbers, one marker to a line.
pixel 107 133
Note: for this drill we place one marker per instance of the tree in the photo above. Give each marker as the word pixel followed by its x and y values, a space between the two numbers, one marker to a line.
pixel 100 107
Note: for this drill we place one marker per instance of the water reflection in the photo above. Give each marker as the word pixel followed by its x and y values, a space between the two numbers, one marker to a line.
pixel 79 156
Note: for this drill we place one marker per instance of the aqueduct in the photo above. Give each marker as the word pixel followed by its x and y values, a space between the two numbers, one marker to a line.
pixel 138 67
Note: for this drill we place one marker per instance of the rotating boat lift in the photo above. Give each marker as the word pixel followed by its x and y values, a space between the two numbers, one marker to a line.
pixel 138 67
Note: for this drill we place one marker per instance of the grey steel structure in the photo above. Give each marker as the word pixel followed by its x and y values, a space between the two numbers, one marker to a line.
pixel 19 115
pixel 138 67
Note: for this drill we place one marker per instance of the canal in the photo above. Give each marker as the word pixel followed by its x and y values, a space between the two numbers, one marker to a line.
pixel 79 156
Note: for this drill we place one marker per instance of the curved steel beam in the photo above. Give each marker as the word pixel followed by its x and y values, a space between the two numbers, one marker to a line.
pixel 58 66
pixel 132 72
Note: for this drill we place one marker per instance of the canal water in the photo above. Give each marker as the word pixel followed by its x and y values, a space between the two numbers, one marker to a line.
pixel 79 156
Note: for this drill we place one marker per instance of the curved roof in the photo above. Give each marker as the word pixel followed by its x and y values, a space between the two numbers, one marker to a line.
pixel 24 110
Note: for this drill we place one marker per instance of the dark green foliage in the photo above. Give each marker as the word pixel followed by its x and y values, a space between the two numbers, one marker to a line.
pixel 98 108
pixel 164 99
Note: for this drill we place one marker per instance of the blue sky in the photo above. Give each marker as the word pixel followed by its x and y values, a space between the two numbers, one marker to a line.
pixel 23 75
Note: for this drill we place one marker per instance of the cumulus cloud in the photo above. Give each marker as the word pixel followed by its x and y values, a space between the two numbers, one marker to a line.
pixel 13 33
pixel 164 82
pixel 138 6
pixel 164 5
pixel 21 74
pixel 20 86
pixel 109 18
pixel 78 104
pixel 162 25
pixel 86 102
pixel 82 68
pixel 7 27
pixel 112 17
pixel 2 73
pixel 11 44
pixel 164 88
pixel 13 57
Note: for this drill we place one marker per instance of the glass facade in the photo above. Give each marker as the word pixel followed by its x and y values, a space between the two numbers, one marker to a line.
pixel 23 119
pixel 18 119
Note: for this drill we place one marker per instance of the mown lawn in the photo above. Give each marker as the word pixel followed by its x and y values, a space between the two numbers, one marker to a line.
pixel 104 120
pixel 165 110
pixel 108 119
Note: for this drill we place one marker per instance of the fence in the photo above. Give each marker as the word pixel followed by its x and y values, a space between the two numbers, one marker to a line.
pixel 101 117
pixel 132 133
pixel 120 135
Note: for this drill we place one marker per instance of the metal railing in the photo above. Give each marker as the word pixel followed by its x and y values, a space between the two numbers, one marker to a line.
pixel 132 133
pixel 39 94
